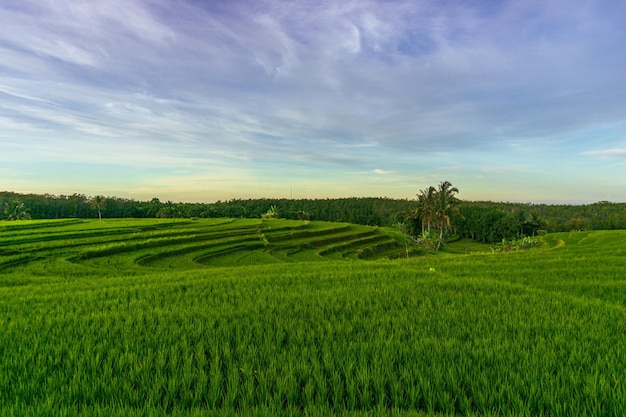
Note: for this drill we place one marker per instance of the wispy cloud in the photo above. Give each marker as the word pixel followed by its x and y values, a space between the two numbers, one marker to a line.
pixel 619 152
pixel 382 172
pixel 314 84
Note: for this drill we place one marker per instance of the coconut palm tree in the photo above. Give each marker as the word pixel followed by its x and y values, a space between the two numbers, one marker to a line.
pixel 534 222
pixel 425 209
pixel 97 203
pixel 15 210
pixel 445 206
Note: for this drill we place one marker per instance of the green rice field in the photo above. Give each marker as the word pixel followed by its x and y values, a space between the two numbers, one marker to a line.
pixel 224 317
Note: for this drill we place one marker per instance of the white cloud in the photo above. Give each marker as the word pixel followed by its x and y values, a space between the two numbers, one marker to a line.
pixel 618 152
pixel 382 172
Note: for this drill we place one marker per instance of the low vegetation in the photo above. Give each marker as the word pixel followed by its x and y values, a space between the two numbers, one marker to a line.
pixel 282 317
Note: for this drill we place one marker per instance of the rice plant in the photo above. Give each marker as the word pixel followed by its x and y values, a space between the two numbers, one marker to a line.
pixel 537 332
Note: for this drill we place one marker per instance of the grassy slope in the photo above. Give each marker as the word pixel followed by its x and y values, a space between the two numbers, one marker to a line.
pixel 531 333
pixel 181 244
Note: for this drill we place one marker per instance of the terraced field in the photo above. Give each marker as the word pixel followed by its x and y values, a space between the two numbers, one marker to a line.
pixel 184 244
pixel 233 317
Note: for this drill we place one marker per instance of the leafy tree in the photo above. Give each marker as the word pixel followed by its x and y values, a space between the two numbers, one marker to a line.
pixel 533 223
pixel 153 207
pixel 167 210
pixel 577 223
pixel 97 203
pixel 15 210
pixel 507 227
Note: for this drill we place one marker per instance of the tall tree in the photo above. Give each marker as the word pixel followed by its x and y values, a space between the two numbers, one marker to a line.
pixel 425 210
pixel 153 207
pixel 445 206
pixel 534 222
pixel 435 208
pixel 97 203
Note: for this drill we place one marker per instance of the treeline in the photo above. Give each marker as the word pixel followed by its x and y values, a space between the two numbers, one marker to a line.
pixel 367 211
pixel 482 221
pixel 492 222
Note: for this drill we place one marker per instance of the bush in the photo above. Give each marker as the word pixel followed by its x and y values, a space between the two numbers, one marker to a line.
pixel 514 245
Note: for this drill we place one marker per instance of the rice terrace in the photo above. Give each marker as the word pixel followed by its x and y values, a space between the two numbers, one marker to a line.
pixel 232 316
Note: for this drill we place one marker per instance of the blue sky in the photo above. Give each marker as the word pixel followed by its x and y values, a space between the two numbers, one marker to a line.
pixel 192 100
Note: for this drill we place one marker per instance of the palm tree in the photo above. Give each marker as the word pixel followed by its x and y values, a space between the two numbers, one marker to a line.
pixel 534 222
pixel 523 220
pixel 445 206
pixel 97 203
pixel 272 213
pixel 425 210
pixel 15 210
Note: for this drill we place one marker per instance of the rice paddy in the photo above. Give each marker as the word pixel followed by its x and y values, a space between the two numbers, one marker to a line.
pixel 277 317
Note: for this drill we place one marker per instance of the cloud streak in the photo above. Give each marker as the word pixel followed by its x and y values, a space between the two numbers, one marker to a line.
pixel 608 152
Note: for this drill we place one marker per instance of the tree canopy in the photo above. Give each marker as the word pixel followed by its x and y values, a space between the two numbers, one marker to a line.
pixel 484 221
pixel 434 210
pixel 15 210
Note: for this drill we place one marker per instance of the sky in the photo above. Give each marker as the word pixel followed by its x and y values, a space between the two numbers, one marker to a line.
pixel 198 101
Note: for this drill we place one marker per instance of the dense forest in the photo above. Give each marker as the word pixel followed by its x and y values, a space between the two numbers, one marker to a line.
pixel 490 221
pixel 482 221
pixel 367 211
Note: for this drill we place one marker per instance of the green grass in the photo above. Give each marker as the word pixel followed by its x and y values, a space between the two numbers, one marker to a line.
pixel 531 333
pixel 466 246
pixel 178 244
